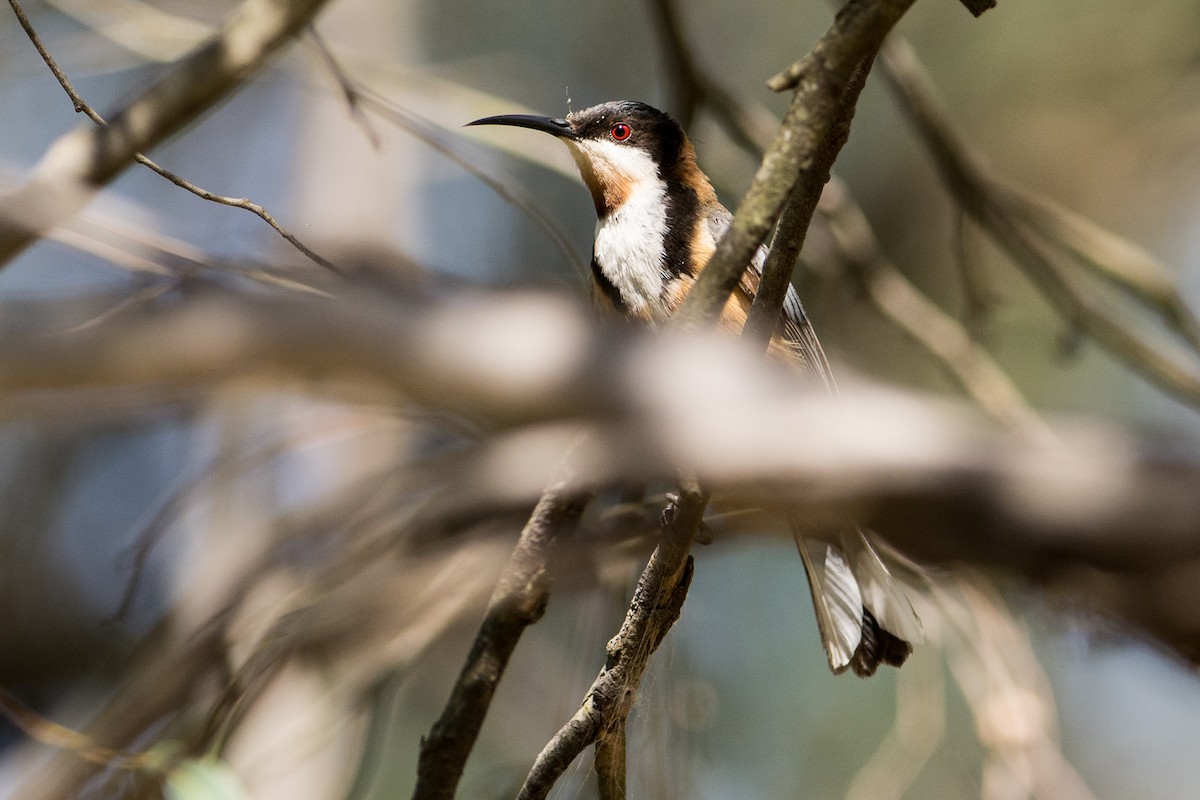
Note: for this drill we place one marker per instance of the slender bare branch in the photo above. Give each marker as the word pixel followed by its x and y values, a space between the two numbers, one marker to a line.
pixel 655 606
pixel 1003 212
pixel 87 158
pixel 519 601
pixel 346 85
pixel 84 107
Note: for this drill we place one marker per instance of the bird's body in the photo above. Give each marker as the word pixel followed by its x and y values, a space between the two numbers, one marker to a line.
pixel 658 223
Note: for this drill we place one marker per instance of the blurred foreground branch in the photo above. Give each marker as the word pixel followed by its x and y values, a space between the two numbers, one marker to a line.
pixel 1091 509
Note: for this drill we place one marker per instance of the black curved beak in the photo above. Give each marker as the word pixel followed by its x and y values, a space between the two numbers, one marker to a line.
pixel 555 127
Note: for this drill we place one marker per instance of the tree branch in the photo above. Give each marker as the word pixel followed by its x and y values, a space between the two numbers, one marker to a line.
pixel 82 106
pixel 1034 232
pixel 610 762
pixel 763 319
pixel 655 606
pixel 826 72
pixel 80 162
pixel 519 601
pixel 893 294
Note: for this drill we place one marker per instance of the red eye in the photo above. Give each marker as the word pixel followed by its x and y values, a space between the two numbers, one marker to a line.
pixel 620 132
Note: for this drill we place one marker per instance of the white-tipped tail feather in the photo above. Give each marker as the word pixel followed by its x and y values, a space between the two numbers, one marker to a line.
pixel 863 615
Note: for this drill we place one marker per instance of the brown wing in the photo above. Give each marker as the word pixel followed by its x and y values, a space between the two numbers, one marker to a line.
pixel 795 339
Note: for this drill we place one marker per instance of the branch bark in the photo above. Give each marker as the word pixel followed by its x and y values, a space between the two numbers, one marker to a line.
pixel 821 79
pixel 518 602
pixel 763 319
pixel 655 606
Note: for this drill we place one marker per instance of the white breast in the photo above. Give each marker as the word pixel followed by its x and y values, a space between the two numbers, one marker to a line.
pixel 629 240
pixel 629 248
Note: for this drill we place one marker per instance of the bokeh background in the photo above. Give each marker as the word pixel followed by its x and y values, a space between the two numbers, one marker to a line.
pixel 1091 103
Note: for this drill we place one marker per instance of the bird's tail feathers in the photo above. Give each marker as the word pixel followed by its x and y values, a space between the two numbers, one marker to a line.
pixel 836 600
pixel 863 615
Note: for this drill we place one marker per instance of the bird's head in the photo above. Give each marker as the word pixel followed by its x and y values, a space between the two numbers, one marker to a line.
pixel 618 146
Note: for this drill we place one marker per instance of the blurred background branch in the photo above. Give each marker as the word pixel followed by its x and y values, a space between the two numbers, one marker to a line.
pixel 79 162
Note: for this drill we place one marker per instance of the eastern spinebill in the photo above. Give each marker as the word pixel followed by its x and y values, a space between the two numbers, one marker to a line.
pixel 658 224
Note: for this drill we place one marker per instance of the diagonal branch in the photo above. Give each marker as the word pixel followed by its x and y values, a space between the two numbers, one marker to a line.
pixel 798 213
pixel 902 303
pixel 80 162
pixel 519 601
pixel 655 606
pixel 821 79
pixel 1035 233
pixel 939 333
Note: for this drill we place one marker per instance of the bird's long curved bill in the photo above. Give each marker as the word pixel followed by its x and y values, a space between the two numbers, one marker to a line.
pixel 555 127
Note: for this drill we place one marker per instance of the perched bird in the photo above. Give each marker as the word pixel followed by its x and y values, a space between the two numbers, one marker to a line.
pixel 658 224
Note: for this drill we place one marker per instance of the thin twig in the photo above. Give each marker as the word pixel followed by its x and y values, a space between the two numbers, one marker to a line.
pixel 519 601
pixel 655 606
pixel 1001 211
pixel 243 203
pixel 83 160
pixel 346 85
pixel 510 192
pixel 84 107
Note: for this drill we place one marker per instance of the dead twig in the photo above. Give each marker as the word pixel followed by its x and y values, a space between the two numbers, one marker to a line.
pixel 519 601
pixel 80 162
pixel 655 606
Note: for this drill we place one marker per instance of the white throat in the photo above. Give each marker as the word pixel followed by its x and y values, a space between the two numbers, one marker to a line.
pixel 629 240
pixel 629 248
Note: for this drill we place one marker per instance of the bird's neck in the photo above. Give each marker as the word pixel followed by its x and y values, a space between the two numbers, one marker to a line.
pixel 629 256
pixel 652 234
